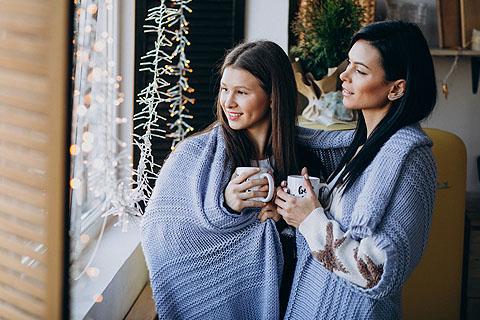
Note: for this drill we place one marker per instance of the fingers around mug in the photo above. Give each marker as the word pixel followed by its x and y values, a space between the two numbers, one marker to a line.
pixel 252 194
pixel 264 188
pixel 281 212
pixel 304 171
pixel 271 186
pixel 244 175
pixel 277 196
pixel 284 195
pixel 252 183
pixel 280 203
pixel 308 184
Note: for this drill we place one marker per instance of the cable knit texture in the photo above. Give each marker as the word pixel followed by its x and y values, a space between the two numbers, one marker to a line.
pixel 204 262
pixel 392 201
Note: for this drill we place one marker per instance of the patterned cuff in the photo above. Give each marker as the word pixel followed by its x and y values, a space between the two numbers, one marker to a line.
pixel 309 228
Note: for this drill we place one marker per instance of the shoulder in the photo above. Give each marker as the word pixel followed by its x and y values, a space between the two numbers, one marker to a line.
pixel 407 139
pixel 408 153
pixel 198 142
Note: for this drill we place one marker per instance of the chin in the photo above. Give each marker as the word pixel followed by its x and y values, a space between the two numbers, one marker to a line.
pixel 235 126
pixel 348 105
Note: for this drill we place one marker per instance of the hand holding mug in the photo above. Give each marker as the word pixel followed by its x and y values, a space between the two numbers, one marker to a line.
pixel 249 187
pixel 295 207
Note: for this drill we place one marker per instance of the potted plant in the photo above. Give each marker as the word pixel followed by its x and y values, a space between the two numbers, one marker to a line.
pixel 323 29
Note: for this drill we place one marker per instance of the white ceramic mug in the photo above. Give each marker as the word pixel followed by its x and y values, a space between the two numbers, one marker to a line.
pixel 262 174
pixel 296 187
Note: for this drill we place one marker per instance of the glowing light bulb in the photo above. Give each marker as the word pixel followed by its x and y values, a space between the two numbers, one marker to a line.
pixel 98 298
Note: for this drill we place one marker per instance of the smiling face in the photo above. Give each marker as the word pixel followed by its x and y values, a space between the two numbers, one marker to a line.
pixel 244 102
pixel 364 84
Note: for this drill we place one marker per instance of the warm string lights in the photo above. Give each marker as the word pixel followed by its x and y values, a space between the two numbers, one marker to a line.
pixel 101 162
pixel 179 128
pixel 101 182
pixel 165 61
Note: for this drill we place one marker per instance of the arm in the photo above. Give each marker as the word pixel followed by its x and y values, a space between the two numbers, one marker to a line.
pixel 327 147
pixel 380 263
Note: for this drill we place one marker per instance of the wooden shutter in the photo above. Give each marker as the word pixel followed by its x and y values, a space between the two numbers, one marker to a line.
pixel 33 78
pixel 215 26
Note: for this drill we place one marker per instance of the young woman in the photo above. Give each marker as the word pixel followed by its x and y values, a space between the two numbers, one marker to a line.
pixel 360 242
pixel 208 252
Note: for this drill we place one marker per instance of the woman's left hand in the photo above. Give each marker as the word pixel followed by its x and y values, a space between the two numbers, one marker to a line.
pixel 269 212
pixel 293 209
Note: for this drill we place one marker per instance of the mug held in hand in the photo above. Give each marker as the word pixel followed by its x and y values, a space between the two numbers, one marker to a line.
pixel 262 174
pixel 297 188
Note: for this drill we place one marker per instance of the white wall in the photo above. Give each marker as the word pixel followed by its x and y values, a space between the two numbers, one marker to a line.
pixel 460 113
pixel 267 20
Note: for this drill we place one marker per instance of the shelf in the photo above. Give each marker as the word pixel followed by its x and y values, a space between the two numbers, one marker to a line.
pixel 474 61
pixel 453 52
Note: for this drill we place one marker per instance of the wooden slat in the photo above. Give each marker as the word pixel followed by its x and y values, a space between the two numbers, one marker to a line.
pixel 25 286
pixel 24 102
pixel 23 193
pixel 23 82
pixel 22 302
pixel 25 45
pixel 18 247
pixel 33 105
pixel 22 7
pixel 19 97
pixel 29 158
pixel 22 176
pixel 12 314
pixel 22 64
pixel 22 138
pixel 30 120
pixel 20 231
pixel 11 208
pixel 23 24
pixel 8 262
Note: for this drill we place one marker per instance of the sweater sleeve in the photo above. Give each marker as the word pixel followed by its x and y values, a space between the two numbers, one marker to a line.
pixel 381 263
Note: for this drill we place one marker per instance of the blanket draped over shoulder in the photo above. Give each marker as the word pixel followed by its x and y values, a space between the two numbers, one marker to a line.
pixel 205 262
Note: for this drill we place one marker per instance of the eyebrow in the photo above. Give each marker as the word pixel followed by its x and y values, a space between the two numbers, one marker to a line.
pixel 360 63
pixel 224 85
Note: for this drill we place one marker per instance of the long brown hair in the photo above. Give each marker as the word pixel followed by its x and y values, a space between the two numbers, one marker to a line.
pixel 267 62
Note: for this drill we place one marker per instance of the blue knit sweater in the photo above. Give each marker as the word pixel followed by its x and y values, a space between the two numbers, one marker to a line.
pixel 204 262
pixel 392 202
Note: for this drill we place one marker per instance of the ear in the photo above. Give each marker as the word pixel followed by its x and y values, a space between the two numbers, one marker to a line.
pixel 397 90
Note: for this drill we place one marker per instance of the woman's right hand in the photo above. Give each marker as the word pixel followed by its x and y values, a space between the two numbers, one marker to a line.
pixel 237 196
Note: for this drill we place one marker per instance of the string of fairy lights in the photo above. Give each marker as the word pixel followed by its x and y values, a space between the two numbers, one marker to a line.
pixel 103 181
pixel 166 60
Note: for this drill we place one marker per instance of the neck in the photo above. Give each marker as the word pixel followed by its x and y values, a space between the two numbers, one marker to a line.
pixel 373 117
pixel 259 137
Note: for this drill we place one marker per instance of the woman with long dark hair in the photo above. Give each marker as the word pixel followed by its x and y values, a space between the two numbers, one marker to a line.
pixel 210 249
pixel 360 242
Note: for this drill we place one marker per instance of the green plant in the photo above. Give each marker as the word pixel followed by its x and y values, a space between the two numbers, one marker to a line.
pixel 323 29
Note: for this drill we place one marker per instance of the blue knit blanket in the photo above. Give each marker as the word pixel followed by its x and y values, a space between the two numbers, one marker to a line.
pixel 392 201
pixel 204 262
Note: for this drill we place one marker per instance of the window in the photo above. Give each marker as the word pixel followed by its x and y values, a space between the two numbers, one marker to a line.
pixel 97 150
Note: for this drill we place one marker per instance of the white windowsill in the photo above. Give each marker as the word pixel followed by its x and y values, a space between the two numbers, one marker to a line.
pixel 123 274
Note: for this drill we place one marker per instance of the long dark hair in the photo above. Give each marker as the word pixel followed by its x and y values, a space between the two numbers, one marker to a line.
pixel 404 55
pixel 267 62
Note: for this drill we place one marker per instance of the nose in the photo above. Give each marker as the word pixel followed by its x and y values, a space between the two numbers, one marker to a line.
pixel 344 76
pixel 229 100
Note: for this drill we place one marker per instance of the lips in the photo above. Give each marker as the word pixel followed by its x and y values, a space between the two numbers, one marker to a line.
pixel 346 92
pixel 232 116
